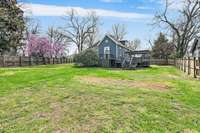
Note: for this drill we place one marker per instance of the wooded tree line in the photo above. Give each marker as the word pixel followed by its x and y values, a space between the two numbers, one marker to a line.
pixel 182 28
pixel 18 33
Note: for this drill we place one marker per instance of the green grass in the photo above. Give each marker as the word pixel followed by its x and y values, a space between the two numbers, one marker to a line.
pixel 55 99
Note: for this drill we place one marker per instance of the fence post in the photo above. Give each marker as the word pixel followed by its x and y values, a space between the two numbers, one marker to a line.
pixel 20 61
pixel 37 62
pixel 188 65
pixel 199 66
pixel 194 67
pixel 4 62
pixel 44 62
pixel 184 64
pixel 30 61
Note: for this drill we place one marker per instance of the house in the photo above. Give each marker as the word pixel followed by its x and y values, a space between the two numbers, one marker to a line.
pixel 195 50
pixel 113 53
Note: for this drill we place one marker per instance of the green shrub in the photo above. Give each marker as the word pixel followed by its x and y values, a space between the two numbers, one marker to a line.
pixel 87 58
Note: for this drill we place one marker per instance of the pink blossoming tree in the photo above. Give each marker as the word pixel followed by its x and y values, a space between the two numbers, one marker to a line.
pixel 42 47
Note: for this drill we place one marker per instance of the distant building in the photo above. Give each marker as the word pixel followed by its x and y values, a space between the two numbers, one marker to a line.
pixel 113 53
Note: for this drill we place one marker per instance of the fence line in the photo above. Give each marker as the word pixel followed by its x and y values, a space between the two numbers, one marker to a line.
pixel 189 65
pixel 20 61
pixel 154 61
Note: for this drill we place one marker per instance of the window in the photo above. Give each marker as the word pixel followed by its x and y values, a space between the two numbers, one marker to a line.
pixel 106 52
pixel 106 41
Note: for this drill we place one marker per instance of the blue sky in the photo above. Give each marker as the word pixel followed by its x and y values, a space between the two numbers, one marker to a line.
pixel 137 15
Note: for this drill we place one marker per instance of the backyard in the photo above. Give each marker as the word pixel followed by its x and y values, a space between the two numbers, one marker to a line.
pixel 64 98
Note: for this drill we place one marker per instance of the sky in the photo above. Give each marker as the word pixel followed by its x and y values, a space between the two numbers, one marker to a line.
pixel 137 15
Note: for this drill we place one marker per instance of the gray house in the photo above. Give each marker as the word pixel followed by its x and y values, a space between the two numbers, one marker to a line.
pixel 195 50
pixel 113 53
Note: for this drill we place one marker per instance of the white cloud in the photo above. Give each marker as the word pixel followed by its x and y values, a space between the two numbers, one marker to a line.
pixel 144 8
pixel 174 4
pixel 112 1
pixel 51 10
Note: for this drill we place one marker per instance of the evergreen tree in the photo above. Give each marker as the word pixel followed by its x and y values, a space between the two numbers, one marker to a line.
pixel 162 48
pixel 11 26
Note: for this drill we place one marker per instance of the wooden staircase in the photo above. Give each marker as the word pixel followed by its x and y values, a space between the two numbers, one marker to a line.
pixel 129 63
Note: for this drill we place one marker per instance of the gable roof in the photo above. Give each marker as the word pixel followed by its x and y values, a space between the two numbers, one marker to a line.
pixel 116 42
pixel 196 41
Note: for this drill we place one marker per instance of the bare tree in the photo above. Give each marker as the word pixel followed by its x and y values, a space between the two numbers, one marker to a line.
pixel 93 39
pixel 32 27
pixel 80 28
pixel 56 36
pixel 185 27
pixel 135 44
pixel 118 31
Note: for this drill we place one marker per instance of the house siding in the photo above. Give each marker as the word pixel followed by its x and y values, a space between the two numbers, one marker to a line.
pixel 121 52
pixel 110 44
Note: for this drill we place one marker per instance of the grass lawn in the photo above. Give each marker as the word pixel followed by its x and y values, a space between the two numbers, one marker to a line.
pixel 63 98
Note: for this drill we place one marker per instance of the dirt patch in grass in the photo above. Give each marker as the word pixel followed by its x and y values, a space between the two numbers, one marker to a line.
pixel 124 83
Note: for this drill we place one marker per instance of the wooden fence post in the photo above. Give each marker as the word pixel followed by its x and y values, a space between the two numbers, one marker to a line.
pixel 188 65
pixel 199 66
pixel 49 59
pixel 30 60
pixel 37 62
pixel 184 64
pixel 4 62
pixel 20 61
pixel 44 62
pixel 194 67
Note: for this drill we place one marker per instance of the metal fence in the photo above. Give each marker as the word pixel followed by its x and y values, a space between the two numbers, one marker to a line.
pixel 20 61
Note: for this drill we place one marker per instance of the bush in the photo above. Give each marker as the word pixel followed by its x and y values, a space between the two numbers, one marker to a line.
pixel 87 58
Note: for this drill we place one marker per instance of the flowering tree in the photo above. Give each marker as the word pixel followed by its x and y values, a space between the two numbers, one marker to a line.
pixel 59 50
pixel 42 47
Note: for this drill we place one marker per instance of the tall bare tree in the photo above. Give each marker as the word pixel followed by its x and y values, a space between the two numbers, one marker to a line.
pixel 56 36
pixel 32 27
pixel 184 27
pixel 135 44
pixel 79 28
pixel 119 31
pixel 93 39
